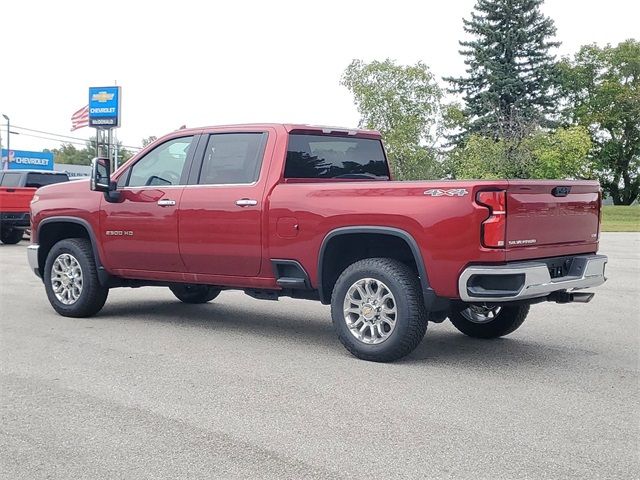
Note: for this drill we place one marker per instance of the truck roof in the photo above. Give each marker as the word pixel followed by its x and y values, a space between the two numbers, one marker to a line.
pixel 299 128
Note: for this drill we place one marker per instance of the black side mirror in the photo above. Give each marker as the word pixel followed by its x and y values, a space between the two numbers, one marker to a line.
pixel 101 179
pixel 100 175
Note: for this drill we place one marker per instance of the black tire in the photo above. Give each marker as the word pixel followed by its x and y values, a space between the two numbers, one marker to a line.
pixel 410 320
pixel 11 236
pixel 506 321
pixel 194 293
pixel 93 295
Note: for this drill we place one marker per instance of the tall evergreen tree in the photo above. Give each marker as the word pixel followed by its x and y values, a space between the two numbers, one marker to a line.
pixel 509 84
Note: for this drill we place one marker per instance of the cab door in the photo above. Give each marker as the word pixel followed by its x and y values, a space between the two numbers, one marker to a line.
pixel 140 231
pixel 220 224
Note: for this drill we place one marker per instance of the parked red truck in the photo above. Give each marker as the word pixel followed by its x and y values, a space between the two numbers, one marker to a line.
pixel 311 212
pixel 17 188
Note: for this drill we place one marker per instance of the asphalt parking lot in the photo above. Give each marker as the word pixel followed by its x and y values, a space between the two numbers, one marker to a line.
pixel 242 388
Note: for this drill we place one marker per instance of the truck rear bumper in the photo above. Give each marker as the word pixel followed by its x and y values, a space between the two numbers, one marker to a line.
pixel 32 256
pixel 530 279
pixel 14 219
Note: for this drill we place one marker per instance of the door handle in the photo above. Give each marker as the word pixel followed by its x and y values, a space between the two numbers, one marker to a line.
pixel 246 202
pixel 165 202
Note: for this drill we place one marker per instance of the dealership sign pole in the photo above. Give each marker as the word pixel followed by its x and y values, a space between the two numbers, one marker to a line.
pixel 104 116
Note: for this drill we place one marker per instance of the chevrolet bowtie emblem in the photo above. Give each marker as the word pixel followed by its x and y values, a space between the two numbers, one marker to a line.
pixel 101 97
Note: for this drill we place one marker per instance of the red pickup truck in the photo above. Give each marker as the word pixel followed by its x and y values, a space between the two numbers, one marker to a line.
pixel 17 188
pixel 311 212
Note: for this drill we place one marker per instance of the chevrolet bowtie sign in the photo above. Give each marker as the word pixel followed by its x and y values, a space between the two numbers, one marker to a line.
pixel 104 107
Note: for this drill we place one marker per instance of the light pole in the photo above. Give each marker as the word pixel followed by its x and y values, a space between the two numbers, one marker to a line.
pixel 8 140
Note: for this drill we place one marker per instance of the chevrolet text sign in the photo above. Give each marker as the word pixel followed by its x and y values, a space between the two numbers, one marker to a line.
pixel 25 160
pixel 104 107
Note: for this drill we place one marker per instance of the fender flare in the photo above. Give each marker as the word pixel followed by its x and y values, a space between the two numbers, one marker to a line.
pixel 431 301
pixel 103 275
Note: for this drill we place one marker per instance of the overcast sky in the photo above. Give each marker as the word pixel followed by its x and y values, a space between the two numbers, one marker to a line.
pixel 209 63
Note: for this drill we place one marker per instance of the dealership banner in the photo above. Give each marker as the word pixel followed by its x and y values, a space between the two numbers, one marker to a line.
pixel 26 160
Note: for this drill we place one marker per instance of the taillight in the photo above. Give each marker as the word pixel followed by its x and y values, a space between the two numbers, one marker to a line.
pixel 494 228
pixel 599 213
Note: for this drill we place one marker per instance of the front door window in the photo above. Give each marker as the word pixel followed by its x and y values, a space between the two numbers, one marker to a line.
pixel 162 166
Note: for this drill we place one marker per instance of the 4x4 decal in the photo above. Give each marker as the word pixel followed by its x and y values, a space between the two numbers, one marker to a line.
pixel 452 192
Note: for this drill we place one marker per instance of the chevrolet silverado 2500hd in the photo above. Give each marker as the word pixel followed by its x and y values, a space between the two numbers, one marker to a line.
pixel 312 212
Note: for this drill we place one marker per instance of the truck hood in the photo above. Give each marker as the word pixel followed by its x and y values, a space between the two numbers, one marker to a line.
pixel 65 199
pixel 62 187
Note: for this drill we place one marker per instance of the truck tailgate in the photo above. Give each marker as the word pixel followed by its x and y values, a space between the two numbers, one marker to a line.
pixel 552 213
pixel 16 199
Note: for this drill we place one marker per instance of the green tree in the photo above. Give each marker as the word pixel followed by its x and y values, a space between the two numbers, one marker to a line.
pixel 601 86
pixel 478 158
pixel 562 153
pixel 124 153
pixel 70 154
pixel 403 103
pixel 508 88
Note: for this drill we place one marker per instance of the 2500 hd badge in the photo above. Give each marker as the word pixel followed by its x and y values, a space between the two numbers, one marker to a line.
pixel 119 233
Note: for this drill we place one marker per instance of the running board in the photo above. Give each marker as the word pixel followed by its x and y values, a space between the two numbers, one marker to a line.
pixel 291 282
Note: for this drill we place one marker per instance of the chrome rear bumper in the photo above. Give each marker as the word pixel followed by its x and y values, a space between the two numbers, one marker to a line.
pixel 529 279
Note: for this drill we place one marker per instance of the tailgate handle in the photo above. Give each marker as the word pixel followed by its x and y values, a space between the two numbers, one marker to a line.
pixel 560 191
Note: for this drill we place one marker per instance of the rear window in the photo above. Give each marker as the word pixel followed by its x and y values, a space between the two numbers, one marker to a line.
pixel 38 180
pixel 322 156
pixel 11 179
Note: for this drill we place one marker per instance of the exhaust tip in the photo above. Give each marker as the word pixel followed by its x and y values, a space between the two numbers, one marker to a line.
pixel 574 297
pixel 582 297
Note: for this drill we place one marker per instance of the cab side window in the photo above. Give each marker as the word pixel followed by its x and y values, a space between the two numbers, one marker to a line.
pixel 162 166
pixel 232 158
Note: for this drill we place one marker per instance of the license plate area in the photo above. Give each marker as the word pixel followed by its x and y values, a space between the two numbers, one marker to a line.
pixel 559 267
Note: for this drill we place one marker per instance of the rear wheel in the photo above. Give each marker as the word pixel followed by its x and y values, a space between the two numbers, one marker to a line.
pixel 377 309
pixel 194 293
pixel 11 236
pixel 71 279
pixel 489 321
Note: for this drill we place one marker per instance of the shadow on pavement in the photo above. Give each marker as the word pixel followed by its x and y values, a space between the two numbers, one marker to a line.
pixel 451 347
pixel 313 328
pixel 440 345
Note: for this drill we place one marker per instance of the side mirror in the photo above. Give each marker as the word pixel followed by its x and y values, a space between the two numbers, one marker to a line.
pixel 101 179
pixel 100 175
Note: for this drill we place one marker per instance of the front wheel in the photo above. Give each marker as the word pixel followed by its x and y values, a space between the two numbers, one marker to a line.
pixel 71 279
pixel 489 321
pixel 194 293
pixel 378 310
pixel 11 236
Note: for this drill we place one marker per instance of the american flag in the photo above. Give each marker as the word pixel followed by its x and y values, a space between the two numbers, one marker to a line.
pixel 80 118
